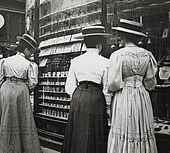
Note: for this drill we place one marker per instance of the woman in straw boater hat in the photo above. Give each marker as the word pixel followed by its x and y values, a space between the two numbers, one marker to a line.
pixel 131 73
pixel 18 133
pixel 87 129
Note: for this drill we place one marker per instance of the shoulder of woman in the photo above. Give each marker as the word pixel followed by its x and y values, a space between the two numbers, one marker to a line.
pixel 149 53
pixel 2 60
pixel 116 53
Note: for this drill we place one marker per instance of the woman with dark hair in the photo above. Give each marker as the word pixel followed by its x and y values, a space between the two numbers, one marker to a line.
pixel 87 128
pixel 18 133
pixel 131 73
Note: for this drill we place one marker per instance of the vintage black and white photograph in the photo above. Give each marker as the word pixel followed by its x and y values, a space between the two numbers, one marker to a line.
pixel 84 76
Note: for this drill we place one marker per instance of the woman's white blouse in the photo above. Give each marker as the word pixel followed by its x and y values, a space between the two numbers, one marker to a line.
pixel 87 67
pixel 18 66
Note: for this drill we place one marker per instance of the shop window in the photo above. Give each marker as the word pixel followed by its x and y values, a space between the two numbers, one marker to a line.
pixel 155 25
pixel 18 21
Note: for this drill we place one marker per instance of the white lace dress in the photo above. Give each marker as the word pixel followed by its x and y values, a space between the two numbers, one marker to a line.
pixel 132 70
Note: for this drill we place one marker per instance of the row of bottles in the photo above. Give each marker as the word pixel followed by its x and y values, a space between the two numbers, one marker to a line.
pixel 54 74
pixel 57 83
pixel 64 106
pixel 55 113
pixel 53 99
pixel 53 89
pixel 59 98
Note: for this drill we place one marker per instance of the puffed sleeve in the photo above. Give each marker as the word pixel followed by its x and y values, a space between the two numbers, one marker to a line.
pixel 35 70
pixel 32 76
pixel 115 72
pixel 71 81
pixel 107 93
pixel 150 79
pixel 2 71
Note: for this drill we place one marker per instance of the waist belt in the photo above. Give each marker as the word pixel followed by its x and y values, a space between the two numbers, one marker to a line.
pixel 90 83
pixel 134 81
pixel 14 79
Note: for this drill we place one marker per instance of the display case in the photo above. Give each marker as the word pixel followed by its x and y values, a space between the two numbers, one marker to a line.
pixel 62 19
pixel 58 26
pixel 53 102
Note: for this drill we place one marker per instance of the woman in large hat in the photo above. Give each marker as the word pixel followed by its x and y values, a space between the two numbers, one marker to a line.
pixel 131 73
pixel 87 129
pixel 18 133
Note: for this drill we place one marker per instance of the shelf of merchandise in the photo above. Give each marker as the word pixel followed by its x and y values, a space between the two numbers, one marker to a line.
pixel 53 102
pixel 69 21
pixel 57 47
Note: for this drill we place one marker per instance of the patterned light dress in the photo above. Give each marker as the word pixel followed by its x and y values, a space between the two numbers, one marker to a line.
pixel 18 133
pixel 131 71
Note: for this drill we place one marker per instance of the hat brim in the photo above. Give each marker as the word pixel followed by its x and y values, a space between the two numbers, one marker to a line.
pixel 19 38
pixel 93 34
pixel 129 31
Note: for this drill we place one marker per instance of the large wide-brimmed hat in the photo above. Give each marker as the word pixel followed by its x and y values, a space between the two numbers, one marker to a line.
pixel 131 27
pixel 93 31
pixel 28 39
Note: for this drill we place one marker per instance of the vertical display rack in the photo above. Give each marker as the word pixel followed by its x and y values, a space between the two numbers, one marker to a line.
pixel 58 46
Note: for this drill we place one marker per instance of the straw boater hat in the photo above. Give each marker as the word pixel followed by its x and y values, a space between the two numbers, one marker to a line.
pixel 28 39
pixel 131 27
pixel 93 31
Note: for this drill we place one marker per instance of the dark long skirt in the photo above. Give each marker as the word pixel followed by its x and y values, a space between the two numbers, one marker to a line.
pixel 87 128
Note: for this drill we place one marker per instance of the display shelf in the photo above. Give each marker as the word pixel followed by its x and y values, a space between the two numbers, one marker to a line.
pixel 51 131
pixel 56 99
pixel 50 85
pixel 48 118
pixel 52 92
pixel 58 46
pixel 56 107
pixel 67 30
pixel 73 11
pixel 53 101
pixel 51 141
pixel 53 77
pixel 71 18
pixel 54 117
pixel 48 51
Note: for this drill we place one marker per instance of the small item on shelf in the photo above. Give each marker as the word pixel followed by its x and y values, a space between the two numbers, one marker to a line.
pixel 62 74
pixel 54 74
pixel 58 74
pixel 49 74
pixel 65 73
pixel 43 62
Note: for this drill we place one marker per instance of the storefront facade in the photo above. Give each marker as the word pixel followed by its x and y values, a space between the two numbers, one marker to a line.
pixel 59 22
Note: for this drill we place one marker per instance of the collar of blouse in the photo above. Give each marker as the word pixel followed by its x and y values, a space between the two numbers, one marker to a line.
pixel 21 54
pixel 92 50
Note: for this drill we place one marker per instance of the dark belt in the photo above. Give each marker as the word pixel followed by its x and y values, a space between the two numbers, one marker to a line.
pixel 14 79
pixel 90 83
